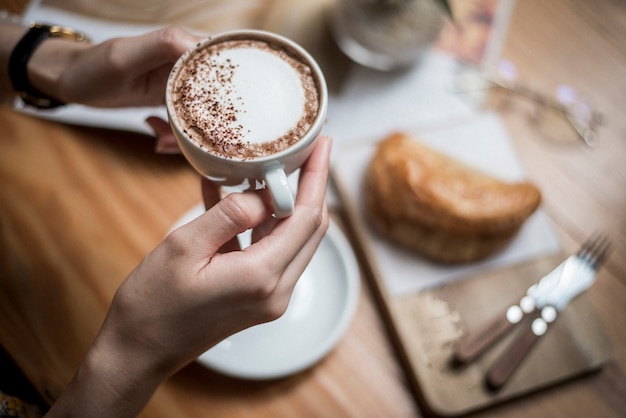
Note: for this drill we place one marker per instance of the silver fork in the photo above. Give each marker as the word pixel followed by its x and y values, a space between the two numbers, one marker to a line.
pixel 595 250
pixel 577 276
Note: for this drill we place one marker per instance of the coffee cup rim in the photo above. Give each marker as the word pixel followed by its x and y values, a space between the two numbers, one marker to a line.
pixel 272 37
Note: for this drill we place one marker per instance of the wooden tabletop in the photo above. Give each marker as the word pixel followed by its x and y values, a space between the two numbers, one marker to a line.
pixel 80 207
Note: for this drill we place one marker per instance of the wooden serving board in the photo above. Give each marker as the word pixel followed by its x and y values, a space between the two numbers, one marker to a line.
pixel 427 324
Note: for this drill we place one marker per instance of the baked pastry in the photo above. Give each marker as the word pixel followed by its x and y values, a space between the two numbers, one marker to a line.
pixel 440 207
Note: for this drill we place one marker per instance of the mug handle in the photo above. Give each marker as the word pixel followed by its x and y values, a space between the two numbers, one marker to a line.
pixel 282 196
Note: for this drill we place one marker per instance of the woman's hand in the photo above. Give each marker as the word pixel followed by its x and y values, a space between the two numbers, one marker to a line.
pixel 124 71
pixel 186 284
pixel 188 294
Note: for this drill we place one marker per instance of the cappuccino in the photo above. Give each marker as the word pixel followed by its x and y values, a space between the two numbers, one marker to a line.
pixel 244 98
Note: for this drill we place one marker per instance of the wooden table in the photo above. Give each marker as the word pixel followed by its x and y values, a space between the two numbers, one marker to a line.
pixel 80 207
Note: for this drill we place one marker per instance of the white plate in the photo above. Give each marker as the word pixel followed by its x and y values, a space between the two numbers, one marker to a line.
pixel 319 313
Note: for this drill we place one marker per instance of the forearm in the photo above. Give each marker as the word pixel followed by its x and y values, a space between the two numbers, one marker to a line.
pixel 108 385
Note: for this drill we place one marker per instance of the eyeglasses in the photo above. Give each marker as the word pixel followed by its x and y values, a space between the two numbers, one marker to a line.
pixel 558 118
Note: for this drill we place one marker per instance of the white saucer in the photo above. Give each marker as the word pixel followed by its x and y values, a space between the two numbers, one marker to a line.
pixel 320 311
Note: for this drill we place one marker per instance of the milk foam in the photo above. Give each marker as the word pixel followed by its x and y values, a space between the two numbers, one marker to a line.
pixel 245 99
pixel 274 97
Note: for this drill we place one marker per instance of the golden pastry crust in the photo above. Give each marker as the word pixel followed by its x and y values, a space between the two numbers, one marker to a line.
pixel 434 204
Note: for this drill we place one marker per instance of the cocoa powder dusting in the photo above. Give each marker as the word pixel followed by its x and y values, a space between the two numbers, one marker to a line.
pixel 209 111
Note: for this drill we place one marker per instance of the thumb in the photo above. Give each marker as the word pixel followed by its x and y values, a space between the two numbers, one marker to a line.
pixel 234 214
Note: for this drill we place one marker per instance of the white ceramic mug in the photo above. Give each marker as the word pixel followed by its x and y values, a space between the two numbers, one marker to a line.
pixel 269 171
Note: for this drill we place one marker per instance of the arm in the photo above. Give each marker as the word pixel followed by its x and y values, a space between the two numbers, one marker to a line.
pixel 186 284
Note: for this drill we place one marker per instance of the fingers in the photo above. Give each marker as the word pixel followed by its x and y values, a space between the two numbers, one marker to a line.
pixel 165 139
pixel 145 62
pixel 310 202
pixel 211 195
pixel 281 257
pixel 156 48
pixel 314 175
pixel 307 225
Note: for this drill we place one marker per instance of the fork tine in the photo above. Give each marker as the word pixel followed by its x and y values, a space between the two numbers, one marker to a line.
pixel 595 250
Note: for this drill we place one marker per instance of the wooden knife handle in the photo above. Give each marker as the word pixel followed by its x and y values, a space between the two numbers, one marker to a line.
pixel 476 342
pixel 504 367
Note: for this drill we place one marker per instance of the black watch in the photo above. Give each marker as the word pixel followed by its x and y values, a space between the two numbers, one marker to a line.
pixel 37 33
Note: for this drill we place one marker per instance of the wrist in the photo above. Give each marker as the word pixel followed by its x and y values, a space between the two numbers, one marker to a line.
pixel 49 62
pixel 110 381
